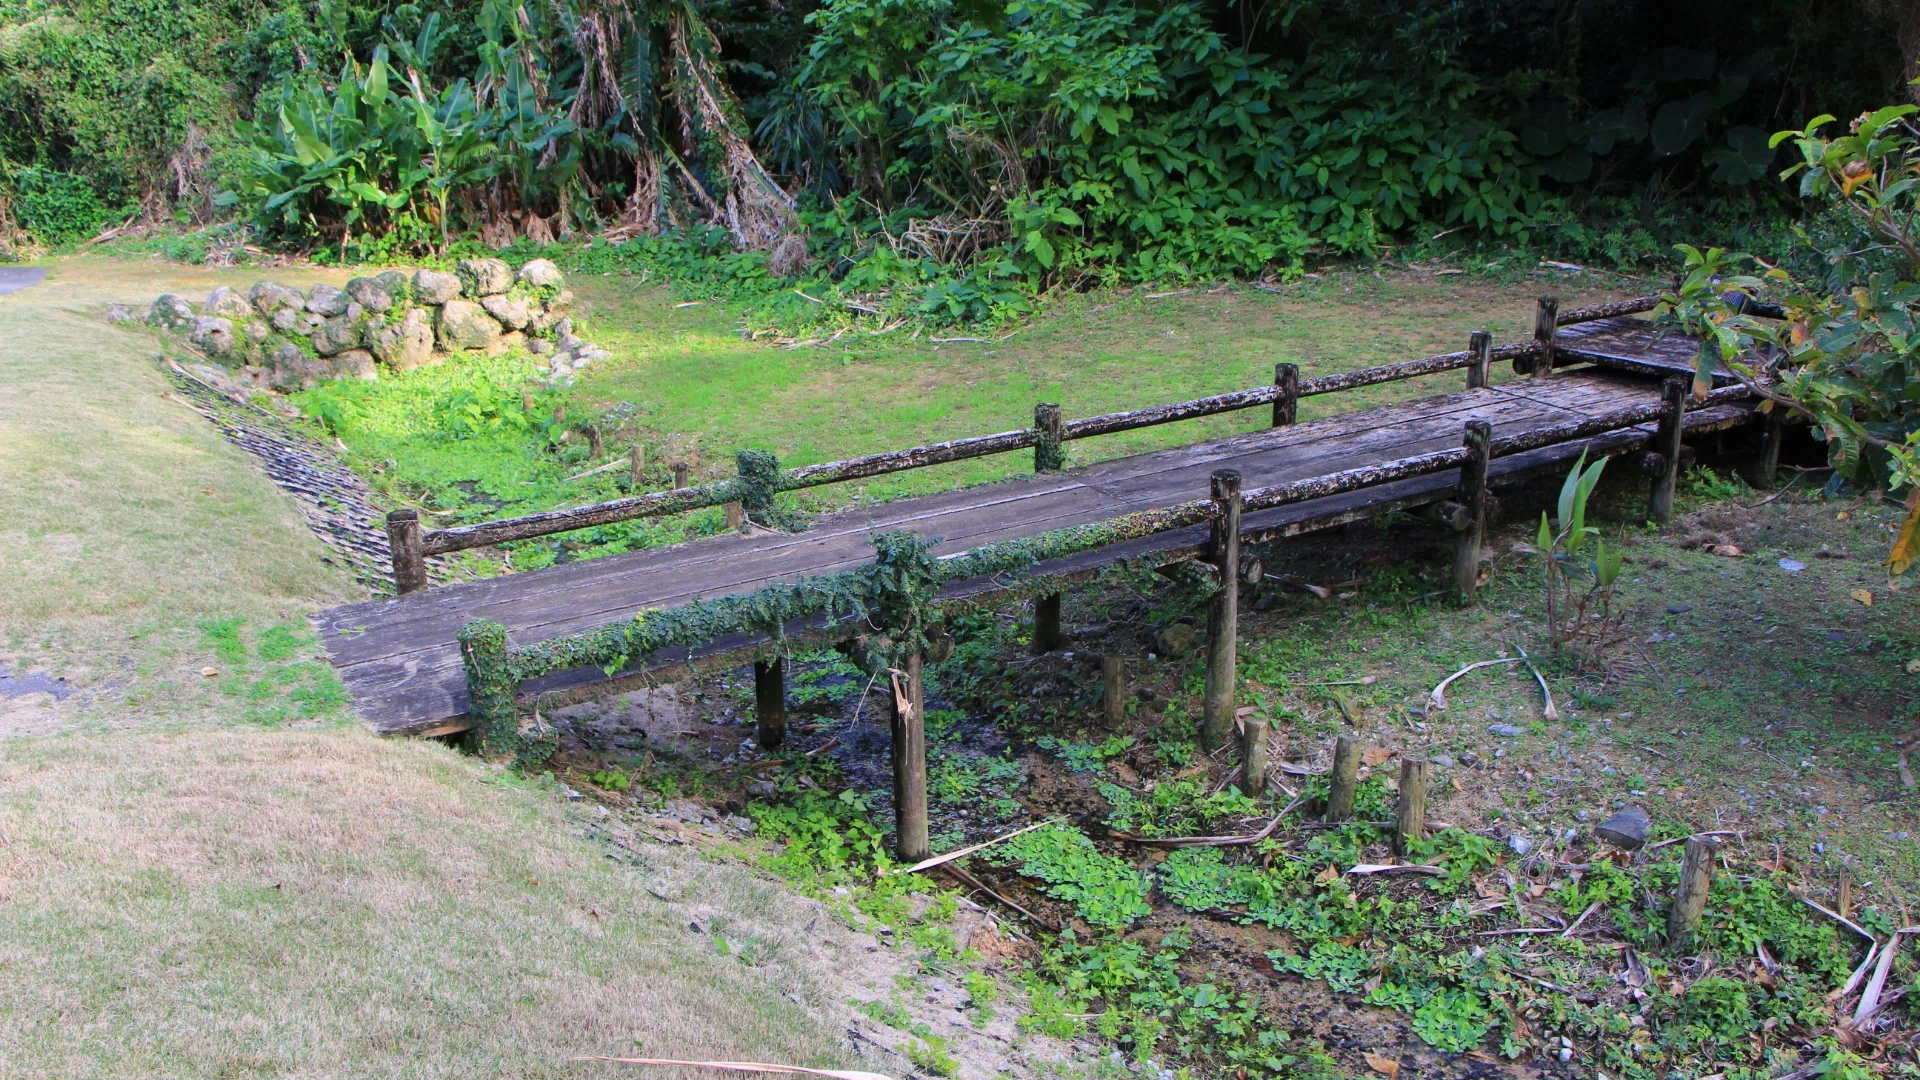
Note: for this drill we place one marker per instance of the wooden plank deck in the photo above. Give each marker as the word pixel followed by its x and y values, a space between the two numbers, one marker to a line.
pixel 401 666
pixel 1630 344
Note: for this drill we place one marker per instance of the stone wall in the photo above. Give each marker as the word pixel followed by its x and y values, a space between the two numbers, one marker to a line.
pixel 393 321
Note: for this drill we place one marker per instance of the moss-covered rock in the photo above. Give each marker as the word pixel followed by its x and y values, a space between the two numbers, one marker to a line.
pixel 483 277
pixel 466 325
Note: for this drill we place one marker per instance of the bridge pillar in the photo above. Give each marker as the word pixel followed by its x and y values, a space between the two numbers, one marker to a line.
pixel 1472 495
pixel 910 762
pixel 409 558
pixel 1767 463
pixel 1546 323
pixel 1223 611
pixel 1666 445
pixel 770 702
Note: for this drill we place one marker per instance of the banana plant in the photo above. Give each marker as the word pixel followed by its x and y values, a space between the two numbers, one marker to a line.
pixel 1560 542
pixel 459 153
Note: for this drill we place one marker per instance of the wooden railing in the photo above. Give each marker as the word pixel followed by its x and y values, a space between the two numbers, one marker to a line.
pixel 411 544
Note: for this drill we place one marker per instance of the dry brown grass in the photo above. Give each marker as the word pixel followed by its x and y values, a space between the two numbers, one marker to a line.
pixel 293 904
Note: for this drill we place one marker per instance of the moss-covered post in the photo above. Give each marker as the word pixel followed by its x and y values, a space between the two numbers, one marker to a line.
pixel 1472 494
pixel 1223 611
pixel 910 762
pixel 1344 780
pixel 1286 406
pixel 1666 450
pixel 1546 323
pixel 770 702
pixel 1049 438
pixel 636 465
pixel 1253 758
pixel 409 559
pixel 1690 897
pixel 758 482
pixel 1046 623
pixel 1480 345
pixel 1767 464
pixel 491 686
pixel 1411 822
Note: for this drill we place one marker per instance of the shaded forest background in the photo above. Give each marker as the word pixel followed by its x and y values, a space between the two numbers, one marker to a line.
pixel 1028 140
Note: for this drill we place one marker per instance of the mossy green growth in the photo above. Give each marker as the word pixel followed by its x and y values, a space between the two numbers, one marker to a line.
pixel 1105 891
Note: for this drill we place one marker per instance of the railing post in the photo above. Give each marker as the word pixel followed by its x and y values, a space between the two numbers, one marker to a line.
pixel 910 762
pixel 1666 445
pixel 636 465
pixel 1767 464
pixel 759 480
pixel 409 559
pixel 1049 431
pixel 1472 494
pixel 1546 323
pixel 1481 346
pixel 1345 778
pixel 1113 685
pixel 770 702
pixel 1223 611
pixel 1286 377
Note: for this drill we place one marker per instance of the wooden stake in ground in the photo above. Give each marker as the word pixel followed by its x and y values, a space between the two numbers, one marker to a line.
pixel 682 474
pixel 1046 623
pixel 770 702
pixel 1666 448
pixel 1223 611
pixel 409 560
pixel 1481 346
pixel 636 465
pixel 1253 758
pixel 1690 899
pixel 1286 377
pixel 1113 678
pixel 1472 495
pixel 1049 432
pixel 1412 822
pixel 910 763
pixel 1346 776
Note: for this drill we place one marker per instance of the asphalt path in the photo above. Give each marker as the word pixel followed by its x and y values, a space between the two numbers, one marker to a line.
pixel 15 278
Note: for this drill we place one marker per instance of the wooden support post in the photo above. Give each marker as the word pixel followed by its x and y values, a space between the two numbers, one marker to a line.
pixel 1286 407
pixel 910 764
pixel 1223 611
pixel 1113 679
pixel 1046 623
pixel 1472 495
pixel 1345 777
pixel 1049 432
pixel 682 474
pixel 1253 758
pixel 1411 824
pixel 1690 899
pixel 409 561
pixel 1772 428
pixel 636 465
pixel 1666 444
pixel 1481 346
pixel 593 442
pixel 736 514
pixel 1546 322
pixel 770 702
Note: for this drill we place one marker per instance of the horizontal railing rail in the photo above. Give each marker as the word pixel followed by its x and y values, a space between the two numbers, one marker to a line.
pixel 411 544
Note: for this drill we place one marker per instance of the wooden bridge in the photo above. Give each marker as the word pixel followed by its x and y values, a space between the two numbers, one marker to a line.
pixel 1599 382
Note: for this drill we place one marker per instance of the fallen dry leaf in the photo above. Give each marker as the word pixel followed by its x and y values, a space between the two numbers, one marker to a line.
pixel 1329 875
pixel 209 672
pixel 1727 551
pixel 1382 1064
pixel 1864 596
pixel 1374 755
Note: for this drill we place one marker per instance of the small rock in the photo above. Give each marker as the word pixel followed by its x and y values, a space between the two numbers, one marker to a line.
pixel 370 293
pixel 1174 640
pixel 353 364
pixel 1792 566
pixel 1626 830
pixel 466 325
pixel 569 794
pixel 1443 760
pixel 435 287
pixel 170 312
pixel 212 334
pixel 327 301
pixel 696 926
pixel 512 313
pixel 406 344
pixel 1507 731
pixel 1500 753
pixel 336 335
pixel 541 274
pixel 270 298
pixel 761 789
pixel 288 321
pixel 1679 609
pixel 228 304
pixel 1582 815
pixel 739 824
pixel 483 277
pixel 1469 758
pixel 1519 843
pixel 119 313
